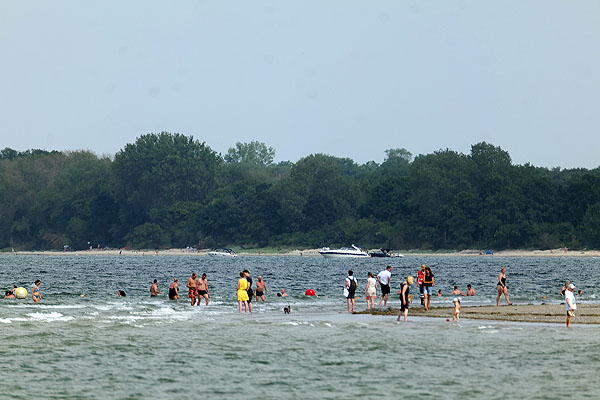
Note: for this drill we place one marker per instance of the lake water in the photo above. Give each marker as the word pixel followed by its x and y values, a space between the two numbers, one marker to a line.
pixel 106 347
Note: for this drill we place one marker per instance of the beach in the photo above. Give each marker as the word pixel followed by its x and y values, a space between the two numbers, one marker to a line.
pixel 315 252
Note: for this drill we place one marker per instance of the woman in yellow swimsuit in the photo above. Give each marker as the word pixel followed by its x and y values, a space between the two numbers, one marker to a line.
pixel 35 293
pixel 242 294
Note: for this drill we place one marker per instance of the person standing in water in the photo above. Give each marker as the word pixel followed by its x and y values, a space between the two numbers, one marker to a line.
pixel 35 293
pixel 502 288
pixel 420 277
pixel 191 285
pixel 174 290
pixel 202 288
pixel 249 290
pixel 242 293
pixel 261 289
pixel 154 289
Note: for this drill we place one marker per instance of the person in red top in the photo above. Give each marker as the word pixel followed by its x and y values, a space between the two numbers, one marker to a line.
pixel 420 276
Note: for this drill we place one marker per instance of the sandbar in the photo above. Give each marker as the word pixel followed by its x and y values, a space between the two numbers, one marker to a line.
pixel 545 313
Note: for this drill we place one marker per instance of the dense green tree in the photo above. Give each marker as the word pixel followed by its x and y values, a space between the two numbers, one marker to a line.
pixel 253 153
pixel 161 169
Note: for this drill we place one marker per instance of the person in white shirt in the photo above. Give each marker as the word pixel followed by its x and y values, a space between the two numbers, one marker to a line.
pixel 384 282
pixel 570 303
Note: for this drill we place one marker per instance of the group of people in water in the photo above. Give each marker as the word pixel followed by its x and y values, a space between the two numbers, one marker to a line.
pixel 36 296
pixel 198 290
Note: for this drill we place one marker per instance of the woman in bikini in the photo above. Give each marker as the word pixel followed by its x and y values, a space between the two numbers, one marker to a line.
pixel 35 293
pixel 502 289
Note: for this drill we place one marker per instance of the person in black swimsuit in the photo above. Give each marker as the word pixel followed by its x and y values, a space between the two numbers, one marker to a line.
pixel 174 290
pixel 405 297
pixel 502 289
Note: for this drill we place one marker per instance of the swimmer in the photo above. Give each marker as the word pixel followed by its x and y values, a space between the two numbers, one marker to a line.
pixel 439 293
pixel 191 285
pixel 456 314
pixel 174 290
pixel 470 290
pixel 283 293
pixel 154 289
pixel 564 288
pixel 35 293
pixel 456 291
pixel 580 293
pixel 121 293
pixel 9 295
pixel 202 287
pixel 261 289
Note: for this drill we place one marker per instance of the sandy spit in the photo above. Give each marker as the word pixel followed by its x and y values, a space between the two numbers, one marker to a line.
pixel 546 313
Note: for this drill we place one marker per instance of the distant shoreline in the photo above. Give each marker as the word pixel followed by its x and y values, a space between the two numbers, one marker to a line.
pixel 315 252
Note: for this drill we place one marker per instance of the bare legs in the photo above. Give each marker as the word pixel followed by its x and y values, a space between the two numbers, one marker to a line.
pixel 351 301
pixel 245 306
pixel 502 290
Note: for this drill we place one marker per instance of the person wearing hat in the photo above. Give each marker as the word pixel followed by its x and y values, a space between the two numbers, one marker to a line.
pixel 405 297
pixel 570 303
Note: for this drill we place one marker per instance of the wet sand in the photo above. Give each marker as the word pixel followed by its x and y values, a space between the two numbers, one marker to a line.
pixel 546 313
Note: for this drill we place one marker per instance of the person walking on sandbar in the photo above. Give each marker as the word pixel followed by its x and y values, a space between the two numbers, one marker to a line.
pixel 384 282
pixel 502 288
pixel 405 297
pixel 570 303
pixel 350 290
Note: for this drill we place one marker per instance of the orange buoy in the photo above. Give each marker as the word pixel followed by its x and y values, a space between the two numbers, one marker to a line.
pixel 309 292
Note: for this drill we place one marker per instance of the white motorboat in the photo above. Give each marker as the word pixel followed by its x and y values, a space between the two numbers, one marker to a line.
pixel 355 251
pixel 222 253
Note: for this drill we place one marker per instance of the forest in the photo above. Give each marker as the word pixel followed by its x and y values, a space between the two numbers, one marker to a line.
pixel 168 190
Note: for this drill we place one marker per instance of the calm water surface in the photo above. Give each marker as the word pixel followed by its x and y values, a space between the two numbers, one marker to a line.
pixel 105 347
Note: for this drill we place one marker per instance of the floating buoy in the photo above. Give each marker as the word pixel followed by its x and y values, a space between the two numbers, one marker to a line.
pixel 544 297
pixel 21 293
pixel 447 319
pixel 309 292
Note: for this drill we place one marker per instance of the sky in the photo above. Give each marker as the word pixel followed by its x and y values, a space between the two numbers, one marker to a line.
pixel 341 77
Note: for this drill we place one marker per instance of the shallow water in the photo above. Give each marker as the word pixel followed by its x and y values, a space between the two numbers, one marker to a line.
pixel 102 346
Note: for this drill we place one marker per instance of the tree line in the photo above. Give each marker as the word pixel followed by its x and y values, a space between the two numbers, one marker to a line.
pixel 171 190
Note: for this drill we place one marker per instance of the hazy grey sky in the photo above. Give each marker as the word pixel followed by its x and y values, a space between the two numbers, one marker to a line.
pixel 346 78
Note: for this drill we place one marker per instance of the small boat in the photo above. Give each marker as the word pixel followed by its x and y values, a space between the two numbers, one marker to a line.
pixel 224 252
pixel 355 251
pixel 384 253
